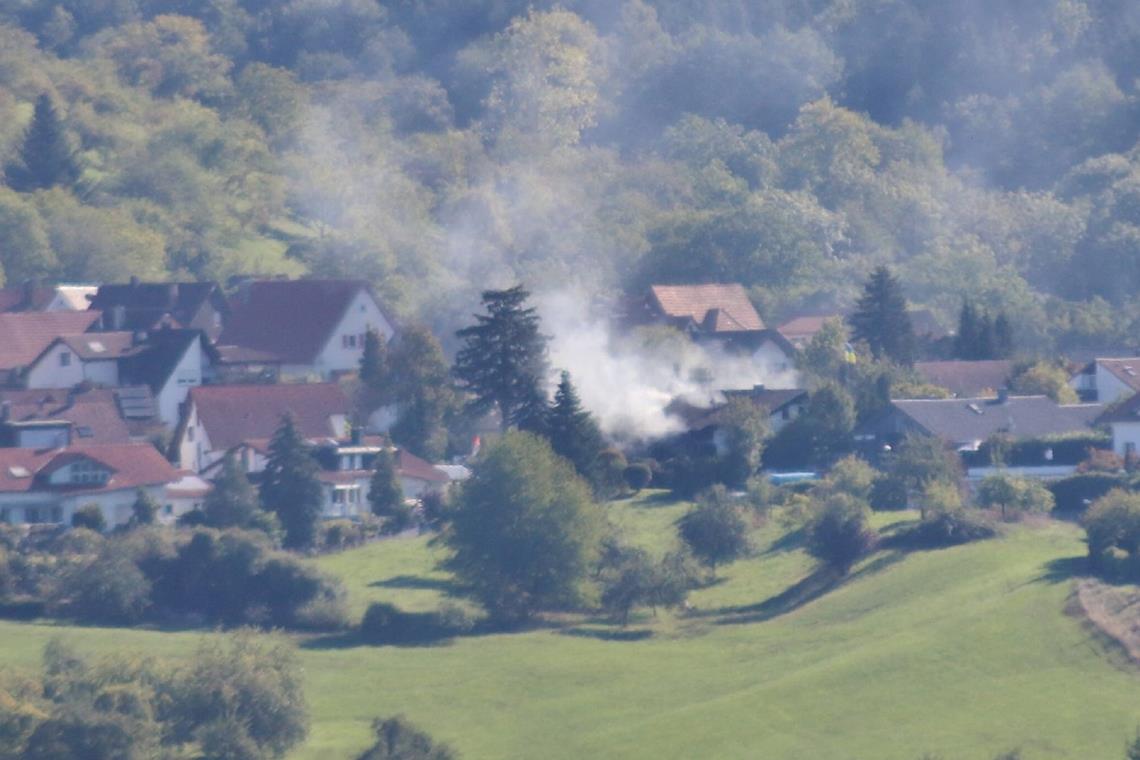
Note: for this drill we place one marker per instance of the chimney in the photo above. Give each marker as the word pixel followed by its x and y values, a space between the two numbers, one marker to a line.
pixel 172 294
pixel 357 435
pixel 29 294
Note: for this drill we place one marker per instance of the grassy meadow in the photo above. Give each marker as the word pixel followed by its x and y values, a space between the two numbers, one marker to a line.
pixel 963 652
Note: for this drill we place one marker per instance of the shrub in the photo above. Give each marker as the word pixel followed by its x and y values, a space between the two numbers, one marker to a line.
pixel 1112 527
pixel 888 493
pixel 948 528
pixel 107 588
pixel 714 529
pixel 1014 496
pixel 328 612
pixel 89 516
pixel 340 534
pixel 1076 493
pixel 387 624
pixel 838 533
pixel 609 472
pixel 851 475
pixel 397 739
pixel 455 618
pixel 638 476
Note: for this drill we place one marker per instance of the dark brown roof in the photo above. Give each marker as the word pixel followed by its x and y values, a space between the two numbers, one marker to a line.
pixel 714 308
pixel 18 299
pixel 93 414
pixel 967 378
pixel 24 336
pixel 146 304
pixel 409 465
pixel 698 416
pixel 132 465
pixel 290 319
pixel 232 414
pixel 1127 410
pixel 156 357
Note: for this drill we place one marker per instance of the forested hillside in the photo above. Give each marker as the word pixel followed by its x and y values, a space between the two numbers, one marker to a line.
pixel 439 146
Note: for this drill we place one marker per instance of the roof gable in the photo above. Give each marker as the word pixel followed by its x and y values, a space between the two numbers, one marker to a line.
pixel 145 304
pixel 24 336
pixel 713 307
pixel 231 414
pixel 130 465
pixel 290 319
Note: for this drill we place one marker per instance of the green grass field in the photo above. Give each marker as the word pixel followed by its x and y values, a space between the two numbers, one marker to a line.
pixel 963 652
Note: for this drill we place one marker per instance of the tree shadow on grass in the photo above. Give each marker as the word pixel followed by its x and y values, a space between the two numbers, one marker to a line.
pixel 660 499
pixel 786 543
pixel 820 582
pixel 1063 569
pixel 608 634
pixel 446 585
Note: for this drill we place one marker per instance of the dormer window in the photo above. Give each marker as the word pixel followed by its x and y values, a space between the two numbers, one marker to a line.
pixel 88 473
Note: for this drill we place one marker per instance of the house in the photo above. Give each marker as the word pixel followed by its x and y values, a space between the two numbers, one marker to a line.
pixel 722 315
pixel 782 405
pixel 801 329
pixel 49 485
pixel 313 328
pixel 168 361
pixel 152 305
pixel 346 474
pixel 967 379
pixel 25 335
pixel 967 423
pixel 32 297
pixel 186 494
pixel 1123 419
pixel 218 418
pixel 1106 381
pixel 53 418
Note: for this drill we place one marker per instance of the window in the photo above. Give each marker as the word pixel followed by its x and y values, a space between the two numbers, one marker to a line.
pixel 65 358
pixel 349 341
pixel 1129 449
pixel 190 433
pixel 32 515
pixel 168 509
pixel 87 473
pixel 56 514
pixel 5 515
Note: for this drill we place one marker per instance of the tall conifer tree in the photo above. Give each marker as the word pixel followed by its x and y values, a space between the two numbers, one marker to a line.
pixel 45 158
pixel 289 485
pixel 573 432
pixel 881 318
pixel 503 355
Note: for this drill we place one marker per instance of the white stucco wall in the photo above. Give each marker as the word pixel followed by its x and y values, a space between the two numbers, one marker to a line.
pixel 194 450
pixel 362 315
pixel 1110 388
pixel 47 372
pixel 1123 434
pixel 115 505
pixel 187 374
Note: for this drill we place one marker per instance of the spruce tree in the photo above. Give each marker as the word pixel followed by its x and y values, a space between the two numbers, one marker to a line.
pixel 45 158
pixel 1003 337
pixel 881 318
pixel 984 348
pixel 503 354
pixel 232 502
pixel 533 412
pixel 374 362
pixel 289 485
pixel 965 342
pixel 385 496
pixel 572 431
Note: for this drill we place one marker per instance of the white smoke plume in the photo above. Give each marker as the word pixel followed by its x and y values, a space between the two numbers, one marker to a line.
pixel 627 385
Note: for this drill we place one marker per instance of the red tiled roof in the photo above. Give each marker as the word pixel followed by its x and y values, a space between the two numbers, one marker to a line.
pixel 733 312
pixel 232 414
pixel 16 298
pixel 24 336
pixel 805 327
pixel 132 465
pixel 94 414
pixel 291 319
pixel 967 378
pixel 99 346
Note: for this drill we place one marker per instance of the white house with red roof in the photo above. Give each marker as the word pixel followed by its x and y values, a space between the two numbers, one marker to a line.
pixel 314 328
pixel 218 418
pixel 49 485
pixel 25 335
